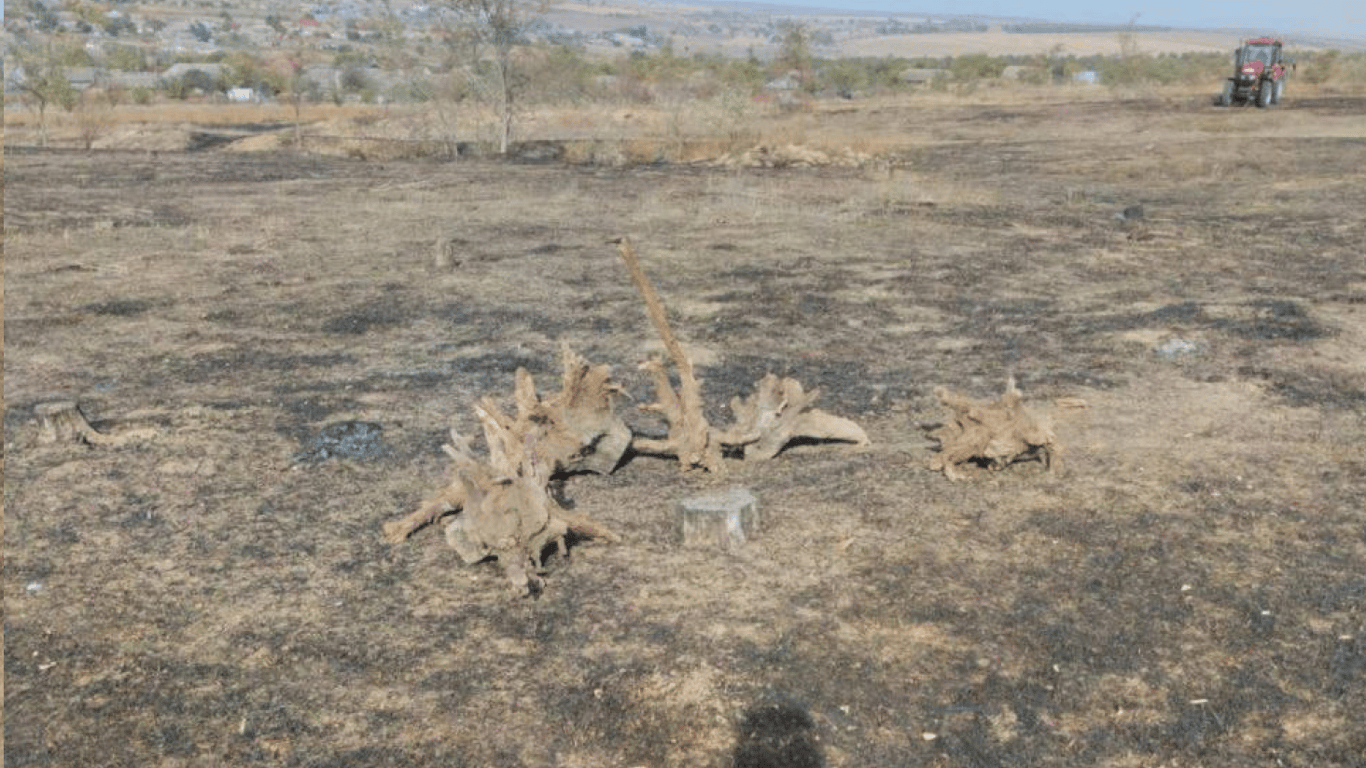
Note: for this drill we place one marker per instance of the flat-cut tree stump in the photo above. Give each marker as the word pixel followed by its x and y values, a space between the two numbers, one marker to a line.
pixel 721 520
pixel 61 421
pixel 994 434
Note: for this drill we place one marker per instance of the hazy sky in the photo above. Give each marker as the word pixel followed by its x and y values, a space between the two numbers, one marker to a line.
pixel 1344 18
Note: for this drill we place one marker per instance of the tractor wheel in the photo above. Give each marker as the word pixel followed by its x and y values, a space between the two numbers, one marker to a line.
pixel 1277 92
pixel 1226 96
pixel 1264 91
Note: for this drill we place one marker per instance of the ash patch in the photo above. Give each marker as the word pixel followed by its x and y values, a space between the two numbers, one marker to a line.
pixel 473 321
pixel 237 362
pixel 1312 387
pixel 779 735
pixel 120 307
pixel 1262 320
pixel 494 372
pixel 379 314
pixel 1277 320
pixel 358 440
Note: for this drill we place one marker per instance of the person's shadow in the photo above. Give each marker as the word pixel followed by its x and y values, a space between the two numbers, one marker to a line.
pixel 777 735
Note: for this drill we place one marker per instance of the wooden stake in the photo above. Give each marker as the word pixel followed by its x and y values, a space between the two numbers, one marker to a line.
pixel 690 436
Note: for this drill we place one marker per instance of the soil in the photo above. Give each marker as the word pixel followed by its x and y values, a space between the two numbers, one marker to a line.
pixel 1189 589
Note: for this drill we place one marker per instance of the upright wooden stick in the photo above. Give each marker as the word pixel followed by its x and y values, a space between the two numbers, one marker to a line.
pixel 690 436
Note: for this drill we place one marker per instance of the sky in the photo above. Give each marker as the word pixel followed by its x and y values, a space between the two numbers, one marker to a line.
pixel 1339 18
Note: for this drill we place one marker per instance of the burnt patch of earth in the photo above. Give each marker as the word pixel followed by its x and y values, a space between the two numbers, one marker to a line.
pixel 1185 591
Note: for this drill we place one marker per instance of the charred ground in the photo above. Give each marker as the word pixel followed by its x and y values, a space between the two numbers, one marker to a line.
pixel 1191 589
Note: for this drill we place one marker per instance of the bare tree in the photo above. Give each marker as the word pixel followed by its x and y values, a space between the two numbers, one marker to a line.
pixel 94 113
pixel 499 27
pixel 296 85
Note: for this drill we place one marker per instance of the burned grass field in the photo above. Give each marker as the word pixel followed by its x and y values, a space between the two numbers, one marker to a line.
pixel 1189 588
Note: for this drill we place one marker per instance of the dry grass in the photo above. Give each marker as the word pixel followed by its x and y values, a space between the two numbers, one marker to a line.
pixel 203 113
pixel 878 127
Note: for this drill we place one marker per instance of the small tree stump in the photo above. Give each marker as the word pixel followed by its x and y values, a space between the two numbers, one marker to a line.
pixel 61 421
pixel 723 520
pixel 446 256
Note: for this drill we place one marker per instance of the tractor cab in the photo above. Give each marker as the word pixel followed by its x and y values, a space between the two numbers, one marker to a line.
pixel 1259 54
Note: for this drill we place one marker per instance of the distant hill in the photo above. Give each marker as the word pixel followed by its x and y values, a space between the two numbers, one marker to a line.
pixel 738 29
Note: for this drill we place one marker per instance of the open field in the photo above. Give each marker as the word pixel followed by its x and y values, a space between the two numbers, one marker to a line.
pixel 1189 589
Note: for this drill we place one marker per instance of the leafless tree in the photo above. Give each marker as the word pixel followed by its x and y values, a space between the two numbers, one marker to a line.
pixel 498 27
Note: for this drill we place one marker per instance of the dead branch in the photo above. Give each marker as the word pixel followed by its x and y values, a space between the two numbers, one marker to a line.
pixel 996 434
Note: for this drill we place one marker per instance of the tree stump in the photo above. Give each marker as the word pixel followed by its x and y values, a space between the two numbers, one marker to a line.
pixel 61 421
pixel 723 520
pixel 993 434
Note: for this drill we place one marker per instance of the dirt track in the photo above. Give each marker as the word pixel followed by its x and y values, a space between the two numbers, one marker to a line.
pixel 1190 590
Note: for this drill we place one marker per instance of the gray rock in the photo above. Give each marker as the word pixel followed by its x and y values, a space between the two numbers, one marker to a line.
pixel 1172 349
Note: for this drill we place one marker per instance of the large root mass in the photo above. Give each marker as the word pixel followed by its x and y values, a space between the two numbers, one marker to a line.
pixel 575 429
pixel 993 434
pixel 777 413
pixel 504 503
pixel 510 516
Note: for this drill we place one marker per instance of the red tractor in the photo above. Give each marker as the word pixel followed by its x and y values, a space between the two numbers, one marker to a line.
pixel 1258 74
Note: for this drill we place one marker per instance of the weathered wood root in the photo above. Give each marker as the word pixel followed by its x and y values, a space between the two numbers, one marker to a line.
pixel 778 412
pixel 61 421
pixel 449 499
pixel 690 435
pixel 996 434
pixel 573 430
pixel 511 518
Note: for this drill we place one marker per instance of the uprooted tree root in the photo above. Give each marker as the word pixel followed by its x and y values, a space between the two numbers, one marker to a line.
pixel 995 434
pixel 778 412
pixel 510 515
pixel 573 430
pixel 504 501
